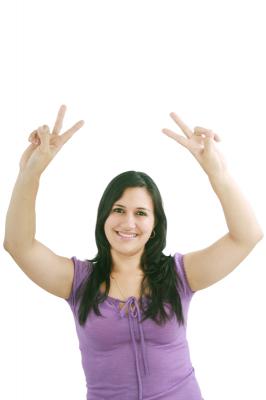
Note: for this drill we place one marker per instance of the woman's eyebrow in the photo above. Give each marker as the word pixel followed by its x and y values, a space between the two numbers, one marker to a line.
pixel 138 208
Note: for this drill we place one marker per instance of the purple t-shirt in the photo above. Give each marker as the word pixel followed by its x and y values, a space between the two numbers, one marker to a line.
pixel 124 359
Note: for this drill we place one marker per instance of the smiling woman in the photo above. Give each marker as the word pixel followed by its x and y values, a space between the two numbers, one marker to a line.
pixel 127 224
pixel 131 235
pixel 131 298
pixel 133 287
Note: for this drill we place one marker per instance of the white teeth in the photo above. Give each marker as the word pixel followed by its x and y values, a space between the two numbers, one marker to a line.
pixel 126 236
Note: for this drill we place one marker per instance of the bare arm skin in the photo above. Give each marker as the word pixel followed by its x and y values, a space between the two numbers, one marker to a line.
pixel 51 272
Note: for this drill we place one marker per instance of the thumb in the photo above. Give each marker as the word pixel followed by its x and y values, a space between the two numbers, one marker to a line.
pixel 26 154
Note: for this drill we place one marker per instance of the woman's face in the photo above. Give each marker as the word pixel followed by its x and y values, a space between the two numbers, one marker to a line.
pixel 130 222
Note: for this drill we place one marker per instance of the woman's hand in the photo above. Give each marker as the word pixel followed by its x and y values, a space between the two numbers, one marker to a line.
pixel 45 145
pixel 201 145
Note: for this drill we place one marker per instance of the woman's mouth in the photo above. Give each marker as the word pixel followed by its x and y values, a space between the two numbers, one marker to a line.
pixel 126 235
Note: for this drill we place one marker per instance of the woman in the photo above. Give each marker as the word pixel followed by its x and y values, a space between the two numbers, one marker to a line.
pixel 130 302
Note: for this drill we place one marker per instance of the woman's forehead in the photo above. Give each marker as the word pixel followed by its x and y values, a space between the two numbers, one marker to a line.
pixel 136 197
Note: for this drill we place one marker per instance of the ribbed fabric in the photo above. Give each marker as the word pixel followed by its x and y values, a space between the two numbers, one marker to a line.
pixel 124 359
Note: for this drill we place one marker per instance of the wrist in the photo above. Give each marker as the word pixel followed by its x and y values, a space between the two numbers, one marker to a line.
pixel 29 176
pixel 220 176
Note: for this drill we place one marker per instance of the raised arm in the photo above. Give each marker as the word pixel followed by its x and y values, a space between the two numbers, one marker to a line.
pixel 48 270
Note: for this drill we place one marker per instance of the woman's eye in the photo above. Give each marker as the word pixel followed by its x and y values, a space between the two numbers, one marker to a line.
pixel 142 213
pixel 120 209
pixel 117 209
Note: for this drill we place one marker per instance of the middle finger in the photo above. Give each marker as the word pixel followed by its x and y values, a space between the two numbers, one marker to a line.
pixel 59 120
pixel 187 131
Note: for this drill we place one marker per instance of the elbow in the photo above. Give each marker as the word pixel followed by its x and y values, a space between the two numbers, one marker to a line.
pixel 5 246
pixel 258 238
pixel 251 240
pixel 261 236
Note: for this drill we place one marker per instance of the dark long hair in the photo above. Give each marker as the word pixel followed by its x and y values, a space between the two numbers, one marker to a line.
pixel 160 274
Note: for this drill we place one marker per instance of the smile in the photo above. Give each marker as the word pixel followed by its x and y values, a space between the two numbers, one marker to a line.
pixel 126 236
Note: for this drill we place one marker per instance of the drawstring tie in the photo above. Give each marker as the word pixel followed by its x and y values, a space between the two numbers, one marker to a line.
pixel 134 312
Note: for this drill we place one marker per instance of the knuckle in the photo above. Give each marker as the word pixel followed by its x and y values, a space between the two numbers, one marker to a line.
pixel 43 129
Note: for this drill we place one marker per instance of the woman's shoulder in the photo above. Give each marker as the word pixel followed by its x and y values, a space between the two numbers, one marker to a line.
pixel 181 271
pixel 82 270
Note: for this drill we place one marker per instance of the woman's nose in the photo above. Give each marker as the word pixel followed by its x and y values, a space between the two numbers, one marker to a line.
pixel 130 221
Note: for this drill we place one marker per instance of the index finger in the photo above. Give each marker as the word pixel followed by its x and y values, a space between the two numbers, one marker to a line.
pixel 59 120
pixel 70 132
pixel 187 131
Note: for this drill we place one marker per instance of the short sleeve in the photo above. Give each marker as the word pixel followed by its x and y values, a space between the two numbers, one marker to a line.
pixel 82 270
pixel 179 261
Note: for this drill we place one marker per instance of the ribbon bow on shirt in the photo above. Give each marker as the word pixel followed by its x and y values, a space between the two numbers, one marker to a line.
pixel 134 312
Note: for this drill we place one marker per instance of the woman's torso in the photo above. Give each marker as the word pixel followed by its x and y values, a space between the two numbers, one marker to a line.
pixel 123 287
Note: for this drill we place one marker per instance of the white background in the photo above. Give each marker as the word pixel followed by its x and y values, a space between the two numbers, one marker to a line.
pixel 123 66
